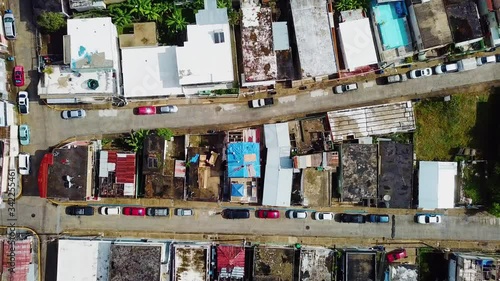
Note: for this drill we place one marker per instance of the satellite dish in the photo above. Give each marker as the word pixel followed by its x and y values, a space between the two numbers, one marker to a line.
pixel 387 197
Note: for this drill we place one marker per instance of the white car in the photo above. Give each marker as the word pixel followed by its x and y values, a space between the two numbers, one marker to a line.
pixel 71 114
pixel 485 60
pixel 345 88
pixel 183 212
pixel 23 102
pixel 293 214
pixel 418 73
pixel 429 219
pixel 24 163
pixel 323 216
pixel 168 109
pixel 445 68
pixel 110 210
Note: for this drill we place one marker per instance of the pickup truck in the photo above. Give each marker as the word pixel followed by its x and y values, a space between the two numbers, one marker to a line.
pixel 467 64
pixel 260 102
pixel 396 78
pixel 157 212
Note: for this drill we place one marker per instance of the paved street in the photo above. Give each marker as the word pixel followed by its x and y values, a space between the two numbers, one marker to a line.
pixel 47 218
pixel 50 128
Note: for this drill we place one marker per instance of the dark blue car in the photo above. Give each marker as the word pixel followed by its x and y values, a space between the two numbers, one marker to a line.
pixel 377 218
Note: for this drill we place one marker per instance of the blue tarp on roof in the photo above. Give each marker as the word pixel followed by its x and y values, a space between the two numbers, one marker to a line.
pixel 243 160
pixel 237 189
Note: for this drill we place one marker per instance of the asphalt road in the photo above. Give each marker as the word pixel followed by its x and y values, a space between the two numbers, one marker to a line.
pixel 47 218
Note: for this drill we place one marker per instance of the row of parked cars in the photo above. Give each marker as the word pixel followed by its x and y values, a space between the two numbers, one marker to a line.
pixel 127 211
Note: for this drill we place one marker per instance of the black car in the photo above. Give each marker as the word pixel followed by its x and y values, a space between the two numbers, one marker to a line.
pixel 352 218
pixel 236 214
pixel 260 102
pixel 79 211
pixel 157 212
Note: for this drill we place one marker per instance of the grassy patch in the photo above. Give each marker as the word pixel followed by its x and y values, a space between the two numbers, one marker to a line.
pixel 443 127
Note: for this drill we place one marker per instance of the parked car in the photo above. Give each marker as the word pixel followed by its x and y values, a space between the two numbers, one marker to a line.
pixel 260 102
pixel 268 214
pixel 445 68
pixel 9 24
pixel 146 110
pixel 377 218
pixel 485 60
pixel 19 75
pixel 24 134
pixel 293 214
pixel 109 210
pixel 168 109
pixel 236 214
pixel 352 218
pixel 428 218
pixel 79 211
pixel 396 78
pixel 24 163
pixel 183 212
pixel 345 88
pixel 323 216
pixel 419 73
pixel 134 211
pixel 497 57
pixel 73 114
pixel 23 102
pixel 157 212
pixel 395 255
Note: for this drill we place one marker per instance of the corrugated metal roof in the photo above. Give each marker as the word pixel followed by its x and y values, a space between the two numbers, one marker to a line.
pixel 125 168
pixel 229 258
pixel 22 250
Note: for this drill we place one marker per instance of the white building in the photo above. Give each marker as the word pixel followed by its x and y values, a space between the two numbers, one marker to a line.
pixel 91 70
pixel 437 184
pixel 358 48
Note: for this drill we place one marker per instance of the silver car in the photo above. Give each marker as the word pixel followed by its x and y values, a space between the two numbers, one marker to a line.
pixel 73 114
pixel 168 109
pixel 183 212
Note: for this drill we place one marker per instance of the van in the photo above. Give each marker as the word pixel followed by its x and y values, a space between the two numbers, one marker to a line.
pixel 24 163
pixel 9 25
pixel 236 214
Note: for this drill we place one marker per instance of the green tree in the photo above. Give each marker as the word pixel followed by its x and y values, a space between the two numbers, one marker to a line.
pixel 165 133
pixel 176 22
pixel 120 14
pixel 51 21
pixel 136 139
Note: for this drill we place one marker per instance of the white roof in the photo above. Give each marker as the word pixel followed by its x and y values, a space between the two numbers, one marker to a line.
pixel 357 43
pixel 437 182
pixel 63 81
pixel 201 60
pixel 279 167
pixel 80 260
pixel 314 38
pixel 91 36
pixel 150 71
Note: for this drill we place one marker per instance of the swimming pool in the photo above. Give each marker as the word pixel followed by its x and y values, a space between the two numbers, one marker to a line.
pixel 391 22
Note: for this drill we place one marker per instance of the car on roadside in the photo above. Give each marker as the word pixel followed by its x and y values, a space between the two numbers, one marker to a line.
pixel 79 211
pixel 236 214
pixel 73 114
pixel 24 163
pixel 168 109
pixel 485 60
pixel 145 110
pixel 323 216
pixel 352 218
pixel 182 212
pixel 345 88
pixel 419 73
pixel 268 214
pixel 497 57
pixel 19 75
pixel 109 210
pixel 446 68
pixel 9 25
pixel 397 78
pixel 157 212
pixel 295 214
pixel 428 219
pixel 24 134
pixel 134 211
pixel 395 255
pixel 23 102
pixel 376 218
pixel 260 102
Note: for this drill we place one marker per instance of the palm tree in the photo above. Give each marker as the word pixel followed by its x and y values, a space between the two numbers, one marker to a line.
pixel 121 15
pixel 176 21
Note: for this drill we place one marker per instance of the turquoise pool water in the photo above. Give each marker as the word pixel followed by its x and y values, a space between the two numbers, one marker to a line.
pixel 391 21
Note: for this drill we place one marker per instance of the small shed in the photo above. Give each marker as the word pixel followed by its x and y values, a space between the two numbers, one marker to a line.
pixel 437 184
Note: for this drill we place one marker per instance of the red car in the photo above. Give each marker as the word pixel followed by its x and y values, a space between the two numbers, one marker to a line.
pixel 268 214
pixel 146 110
pixel 396 255
pixel 134 211
pixel 19 75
